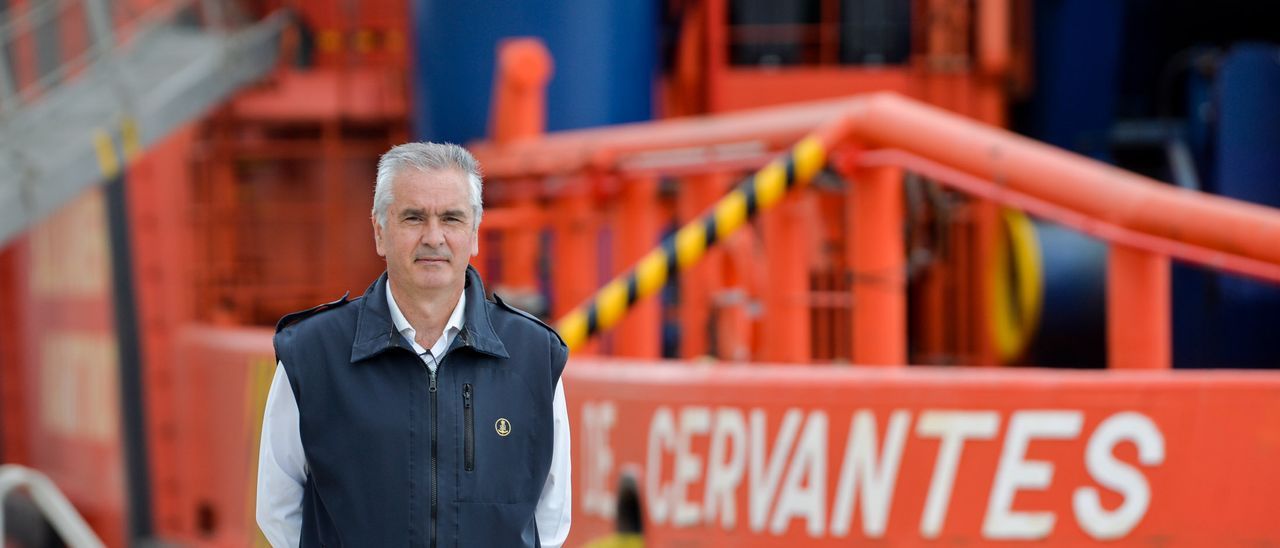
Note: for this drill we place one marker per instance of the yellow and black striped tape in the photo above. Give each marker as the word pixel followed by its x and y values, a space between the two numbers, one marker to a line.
pixel 684 248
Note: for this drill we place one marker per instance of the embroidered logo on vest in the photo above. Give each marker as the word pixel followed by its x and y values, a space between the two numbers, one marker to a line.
pixel 503 426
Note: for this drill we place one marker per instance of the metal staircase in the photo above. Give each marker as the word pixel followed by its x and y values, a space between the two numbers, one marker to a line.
pixel 139 75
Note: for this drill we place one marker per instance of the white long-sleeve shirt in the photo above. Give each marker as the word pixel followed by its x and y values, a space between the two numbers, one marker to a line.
pixel 282 464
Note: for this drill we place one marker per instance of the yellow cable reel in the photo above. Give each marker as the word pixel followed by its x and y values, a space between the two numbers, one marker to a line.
pixel 1017 286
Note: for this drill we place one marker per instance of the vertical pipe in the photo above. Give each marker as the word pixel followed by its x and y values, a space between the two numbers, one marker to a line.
pixel 879 268
pixel 574 277
pixel 519 96
pixel 717 52
pixel 734 318
pixel 640 333
pixel 700 281
pixel 1138 310
pixel 989 107
pixel 993 37
pixel 520 246
pixel 519 111
pixel 786 299
pixel 132 391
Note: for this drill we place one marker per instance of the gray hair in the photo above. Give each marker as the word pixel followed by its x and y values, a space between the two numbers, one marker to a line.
pixel 426 157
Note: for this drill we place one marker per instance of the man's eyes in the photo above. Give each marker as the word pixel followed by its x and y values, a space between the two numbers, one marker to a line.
pixel 451 219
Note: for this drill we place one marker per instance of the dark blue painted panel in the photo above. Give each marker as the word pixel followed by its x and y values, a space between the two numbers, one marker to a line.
pixel 605 56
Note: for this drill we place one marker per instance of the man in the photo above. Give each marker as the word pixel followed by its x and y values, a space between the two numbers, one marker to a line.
pixel 420 414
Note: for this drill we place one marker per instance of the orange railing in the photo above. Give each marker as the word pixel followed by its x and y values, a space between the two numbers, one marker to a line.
pixel 872 140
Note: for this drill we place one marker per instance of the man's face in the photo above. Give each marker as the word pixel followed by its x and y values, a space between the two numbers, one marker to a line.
pixel 430 234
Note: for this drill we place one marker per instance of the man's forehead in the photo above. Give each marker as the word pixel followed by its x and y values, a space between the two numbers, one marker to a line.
pixel 434 183
pixel 450 174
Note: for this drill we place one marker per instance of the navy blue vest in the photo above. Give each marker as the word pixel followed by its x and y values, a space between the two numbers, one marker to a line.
pixel 397 458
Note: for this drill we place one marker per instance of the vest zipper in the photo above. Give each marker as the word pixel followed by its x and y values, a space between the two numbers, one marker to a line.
pixel 469 439
pixel 435 488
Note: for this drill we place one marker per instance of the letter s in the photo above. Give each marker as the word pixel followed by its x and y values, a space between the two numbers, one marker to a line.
pixel 1118 475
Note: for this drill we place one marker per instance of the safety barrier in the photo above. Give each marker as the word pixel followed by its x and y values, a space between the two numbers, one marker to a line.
pixel 1145 221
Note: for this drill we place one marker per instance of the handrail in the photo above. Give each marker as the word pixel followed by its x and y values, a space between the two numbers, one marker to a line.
pixel 51 502
pixel 1146 222
pixel 1081 184
pixel 887 120
pixel 1098 228
pixel 565 152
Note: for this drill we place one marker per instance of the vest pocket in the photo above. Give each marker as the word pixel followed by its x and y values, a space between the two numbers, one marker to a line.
pixel 469 437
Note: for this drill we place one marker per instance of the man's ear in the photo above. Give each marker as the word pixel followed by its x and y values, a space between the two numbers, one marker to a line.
pixel 377 236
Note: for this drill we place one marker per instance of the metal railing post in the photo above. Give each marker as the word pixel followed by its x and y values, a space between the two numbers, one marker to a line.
pixel 573 226
pixel 786 320
pixel 53 505
pixel 878 261
pixel 1139 312
pixel 636 233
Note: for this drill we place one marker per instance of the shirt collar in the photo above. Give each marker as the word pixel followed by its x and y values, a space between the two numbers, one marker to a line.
pixel 451 327
pixel 375 332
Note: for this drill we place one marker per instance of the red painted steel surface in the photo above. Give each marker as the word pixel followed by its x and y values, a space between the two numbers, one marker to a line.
pixel 760 455
pixel 221 390
pixel 65 365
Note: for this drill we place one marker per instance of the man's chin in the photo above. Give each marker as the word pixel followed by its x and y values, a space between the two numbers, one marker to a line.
pixel 434 280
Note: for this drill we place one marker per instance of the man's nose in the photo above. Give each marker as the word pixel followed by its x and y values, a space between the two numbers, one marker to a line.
pixel 433 234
